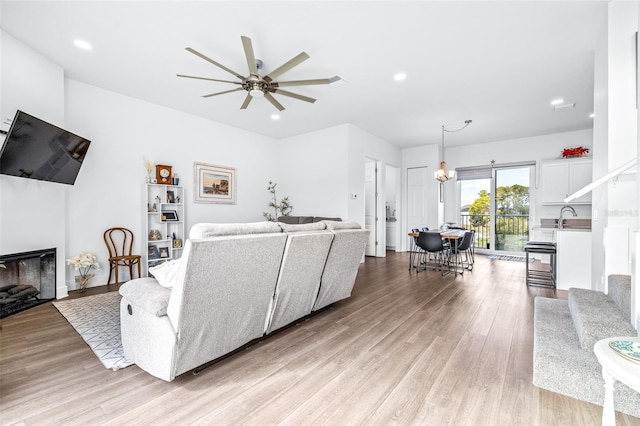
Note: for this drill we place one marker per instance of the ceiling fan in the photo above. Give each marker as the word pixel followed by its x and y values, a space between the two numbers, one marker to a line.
pixel 257 85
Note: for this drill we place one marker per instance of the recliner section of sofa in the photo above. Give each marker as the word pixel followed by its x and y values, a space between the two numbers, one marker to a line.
pixel 233 284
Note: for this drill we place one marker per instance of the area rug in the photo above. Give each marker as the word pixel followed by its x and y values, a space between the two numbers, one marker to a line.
pixel 97 321
pixel 512 258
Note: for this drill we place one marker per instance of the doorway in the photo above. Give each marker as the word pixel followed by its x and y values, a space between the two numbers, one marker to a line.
pixel 391 189
pixel 370 202
pixel 496 204
pixel 417 200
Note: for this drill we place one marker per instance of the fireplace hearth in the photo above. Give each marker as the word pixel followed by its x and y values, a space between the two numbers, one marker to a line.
pixel 26 280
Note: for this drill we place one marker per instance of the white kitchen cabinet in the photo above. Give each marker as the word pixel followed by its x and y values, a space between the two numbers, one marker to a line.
pixel 573 268
pixel 561 178
pixel 391 235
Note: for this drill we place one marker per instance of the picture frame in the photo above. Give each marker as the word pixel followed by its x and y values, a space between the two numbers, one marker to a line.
pixel 164 252
pixel 170 216
pixel 153 252
pixel 177 243
pixel 214 184
pixel 171 197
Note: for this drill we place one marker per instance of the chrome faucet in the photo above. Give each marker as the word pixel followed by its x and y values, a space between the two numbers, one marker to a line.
pixel 562 210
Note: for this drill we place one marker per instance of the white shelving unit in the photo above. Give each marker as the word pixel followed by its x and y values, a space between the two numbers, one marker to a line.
pixel 164 238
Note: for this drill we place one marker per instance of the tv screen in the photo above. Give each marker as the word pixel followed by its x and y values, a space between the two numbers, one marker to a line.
pixel 36 149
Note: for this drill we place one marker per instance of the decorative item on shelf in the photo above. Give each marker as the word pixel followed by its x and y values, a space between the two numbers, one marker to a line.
pixel 154 235
pixel 171 197
pixel 149 168
pixel 574 152
pixel 177 243
pixel 176 179
pixel 284 207
pixel 170 216
pixel 153 252
pixel 164 252
pixel 83 263
pixel 177 199
pixel 163 174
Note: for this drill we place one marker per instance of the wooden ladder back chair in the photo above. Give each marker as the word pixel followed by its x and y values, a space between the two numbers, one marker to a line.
pixel 119 242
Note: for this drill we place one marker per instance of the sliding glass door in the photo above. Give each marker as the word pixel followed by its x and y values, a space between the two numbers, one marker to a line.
pixel 495 202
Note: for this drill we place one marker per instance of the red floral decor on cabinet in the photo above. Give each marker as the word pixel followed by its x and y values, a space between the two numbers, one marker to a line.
pixel 574 152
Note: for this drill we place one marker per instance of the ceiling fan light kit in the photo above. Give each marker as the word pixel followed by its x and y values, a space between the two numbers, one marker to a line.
pixel 257 85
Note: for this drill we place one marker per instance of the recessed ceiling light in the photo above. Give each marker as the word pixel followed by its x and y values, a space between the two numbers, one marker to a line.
pixel 400 76
pixel 557 102
pixel 592 115
pixel 82 44
pixel 275 117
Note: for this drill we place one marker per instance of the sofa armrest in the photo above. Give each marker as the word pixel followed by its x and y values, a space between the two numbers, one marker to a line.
pixel 146 294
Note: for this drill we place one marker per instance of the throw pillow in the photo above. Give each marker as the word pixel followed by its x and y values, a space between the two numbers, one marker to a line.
pixel 165 273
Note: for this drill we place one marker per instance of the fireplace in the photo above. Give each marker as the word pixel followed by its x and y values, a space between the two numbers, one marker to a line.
pixel 26 280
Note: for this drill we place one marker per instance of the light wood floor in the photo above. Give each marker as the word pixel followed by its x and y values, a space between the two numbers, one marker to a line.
pixel 406 348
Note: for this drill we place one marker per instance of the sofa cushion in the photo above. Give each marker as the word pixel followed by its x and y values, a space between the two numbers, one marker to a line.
pixel 146 294
pixel 165 273
pixel 209 230
pixel 320 219
pixel 304 227
pixel 336 225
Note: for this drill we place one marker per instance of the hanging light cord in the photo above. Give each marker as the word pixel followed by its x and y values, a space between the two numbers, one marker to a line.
pixel 466 123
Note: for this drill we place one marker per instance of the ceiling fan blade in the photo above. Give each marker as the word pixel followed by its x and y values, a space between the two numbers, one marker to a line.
pixel 306 82
pixel 209 79
pixel 195 52
pixel 273 101
pixel 251 58
pixel 294 95
pixel 222 93
pixel 286 67
pixel 246 102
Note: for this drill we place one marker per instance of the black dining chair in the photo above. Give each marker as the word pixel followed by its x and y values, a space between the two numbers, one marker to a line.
pixel 416 252
pixel 463 246
pixel 433 250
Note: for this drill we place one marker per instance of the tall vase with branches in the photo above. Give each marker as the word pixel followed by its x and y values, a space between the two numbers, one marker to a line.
pixel 282 208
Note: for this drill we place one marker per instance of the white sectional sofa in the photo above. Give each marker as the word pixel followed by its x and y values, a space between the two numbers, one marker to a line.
pixel 235 283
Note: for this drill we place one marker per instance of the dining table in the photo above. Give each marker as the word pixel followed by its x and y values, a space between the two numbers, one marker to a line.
pixel 454 236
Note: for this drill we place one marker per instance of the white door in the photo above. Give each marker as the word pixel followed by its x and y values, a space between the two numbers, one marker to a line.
pixel 417 198
pixel 370 206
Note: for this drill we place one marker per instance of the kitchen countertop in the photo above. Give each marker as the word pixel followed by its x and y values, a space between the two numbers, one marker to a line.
pixel 545 228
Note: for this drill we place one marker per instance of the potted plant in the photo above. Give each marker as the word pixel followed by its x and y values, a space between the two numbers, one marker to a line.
pixel 84 263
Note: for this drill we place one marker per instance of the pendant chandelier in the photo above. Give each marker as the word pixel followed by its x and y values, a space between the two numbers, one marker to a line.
pixel 443 173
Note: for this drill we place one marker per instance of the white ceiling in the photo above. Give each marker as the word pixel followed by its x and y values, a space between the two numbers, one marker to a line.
pixel 496 63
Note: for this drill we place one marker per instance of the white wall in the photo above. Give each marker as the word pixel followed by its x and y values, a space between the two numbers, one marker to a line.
pixel 319 171
pixel 537 148
pixel 421 156
pixel 311 169
pixel 109 190
pixel 361 145
pixel 32 213
pixel 615 135
pixel 109 187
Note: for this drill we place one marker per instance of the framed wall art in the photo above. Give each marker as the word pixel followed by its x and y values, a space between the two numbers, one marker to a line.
pixel 214 184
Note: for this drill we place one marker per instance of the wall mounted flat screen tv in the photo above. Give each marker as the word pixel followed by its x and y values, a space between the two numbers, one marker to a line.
pixel 35 149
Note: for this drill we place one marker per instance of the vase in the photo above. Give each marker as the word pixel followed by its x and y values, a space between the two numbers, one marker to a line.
pixel 83 282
